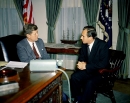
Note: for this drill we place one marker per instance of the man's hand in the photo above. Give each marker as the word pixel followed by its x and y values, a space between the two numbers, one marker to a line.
pixel 81 65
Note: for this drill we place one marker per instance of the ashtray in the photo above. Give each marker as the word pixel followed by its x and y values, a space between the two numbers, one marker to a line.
pixel 69 41
pixel 8 75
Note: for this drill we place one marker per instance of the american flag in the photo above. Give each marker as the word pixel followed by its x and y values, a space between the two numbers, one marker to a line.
pixel 105 20
pixel 28 12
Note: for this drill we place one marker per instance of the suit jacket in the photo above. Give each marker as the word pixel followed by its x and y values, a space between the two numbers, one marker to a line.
pixel 25 52
pixel 98 58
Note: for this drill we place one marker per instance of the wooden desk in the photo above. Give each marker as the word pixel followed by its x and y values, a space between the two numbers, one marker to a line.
pixel 36 88
pixel 62 48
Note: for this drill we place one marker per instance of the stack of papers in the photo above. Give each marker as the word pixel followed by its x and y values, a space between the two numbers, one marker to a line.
pixel 14 64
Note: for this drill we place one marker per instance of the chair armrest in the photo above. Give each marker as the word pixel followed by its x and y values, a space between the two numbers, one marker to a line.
pixel 102 71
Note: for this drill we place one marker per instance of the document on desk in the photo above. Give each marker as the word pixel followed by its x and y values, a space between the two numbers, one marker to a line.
pixel 3 63
pixel 15 64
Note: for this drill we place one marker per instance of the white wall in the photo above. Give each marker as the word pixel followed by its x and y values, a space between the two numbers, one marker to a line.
pixel 39 11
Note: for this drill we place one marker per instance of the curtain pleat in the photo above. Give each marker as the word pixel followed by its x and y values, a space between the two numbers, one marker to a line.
pixel 91 9
pixel 52 10
pixel 19 7
pixel 123 41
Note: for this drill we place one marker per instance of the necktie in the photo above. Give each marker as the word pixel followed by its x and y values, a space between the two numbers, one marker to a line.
pixel 88 50
pixel 35 52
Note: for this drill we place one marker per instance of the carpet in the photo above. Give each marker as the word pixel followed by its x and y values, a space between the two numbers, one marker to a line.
pixel 120 97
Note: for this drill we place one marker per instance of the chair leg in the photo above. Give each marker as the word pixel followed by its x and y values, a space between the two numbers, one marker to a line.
pixel 94 98
pixel 112 97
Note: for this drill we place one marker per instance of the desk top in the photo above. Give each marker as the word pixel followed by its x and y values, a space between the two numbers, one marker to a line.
pixel 30 84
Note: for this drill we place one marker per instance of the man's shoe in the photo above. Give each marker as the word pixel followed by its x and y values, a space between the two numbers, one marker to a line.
pixel 65 98
pixel 74 102
pixel 65 102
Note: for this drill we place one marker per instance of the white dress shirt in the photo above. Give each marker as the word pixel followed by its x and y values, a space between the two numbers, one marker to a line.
pixel 31 44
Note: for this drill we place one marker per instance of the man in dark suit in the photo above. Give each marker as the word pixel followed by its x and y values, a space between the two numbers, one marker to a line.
pixel 94 55
pixel 31 47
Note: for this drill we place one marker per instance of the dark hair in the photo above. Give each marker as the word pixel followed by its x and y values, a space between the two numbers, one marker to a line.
pixel 91 31
pixel 28 28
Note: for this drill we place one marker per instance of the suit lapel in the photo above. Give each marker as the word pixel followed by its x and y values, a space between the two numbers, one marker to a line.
pixel 93 50
pixel 29 49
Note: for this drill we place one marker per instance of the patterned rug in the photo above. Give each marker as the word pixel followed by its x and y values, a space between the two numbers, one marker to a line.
pixel 120 97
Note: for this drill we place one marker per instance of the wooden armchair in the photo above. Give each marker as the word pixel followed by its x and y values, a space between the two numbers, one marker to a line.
pixel 116 60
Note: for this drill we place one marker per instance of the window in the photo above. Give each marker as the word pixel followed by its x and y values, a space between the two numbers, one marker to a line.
pixel 71 21
pixel 10 22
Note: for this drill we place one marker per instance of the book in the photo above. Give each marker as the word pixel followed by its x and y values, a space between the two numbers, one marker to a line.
pixel 8 88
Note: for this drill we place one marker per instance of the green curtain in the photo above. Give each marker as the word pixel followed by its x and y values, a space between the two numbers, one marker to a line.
pixel 123 41
pixel 52 11
pixel 19 7
pixel 91 8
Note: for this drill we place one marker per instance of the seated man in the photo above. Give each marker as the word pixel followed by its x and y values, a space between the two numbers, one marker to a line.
pixel 31 47
pixel 94 55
